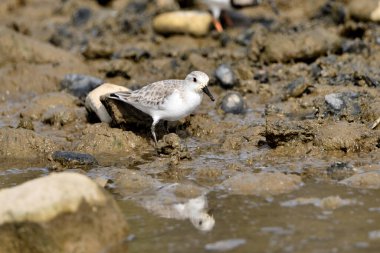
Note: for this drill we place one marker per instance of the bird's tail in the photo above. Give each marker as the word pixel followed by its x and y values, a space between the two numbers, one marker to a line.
pixel 122 96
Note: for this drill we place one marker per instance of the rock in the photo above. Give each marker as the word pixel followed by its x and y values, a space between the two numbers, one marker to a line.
pixel 81 16
pixel 125 115
pixel 80 85
pixel 56 108
pixel 169 143
pixel 59 213
pixel 225 76
pixel 362 9
pixel 183 22
pixel 27 61
pixel 375 14
pixel 262 184
pixel 296 88
pixel 344 105
pixel 340 170
pixel 72 160
pixel 104 2
pixel 225 245
pixel 100 139
pixel 24 144
pixel 129 182
pixel 279 131
pixel 15 48
pixel 366 180
pixel 346 137
pixel 334 101
pixel 26 123
pixel 303 46
pixel 93 103
pixel 233 102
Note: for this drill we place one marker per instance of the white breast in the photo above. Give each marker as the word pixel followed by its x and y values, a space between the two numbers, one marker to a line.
pixel 179 105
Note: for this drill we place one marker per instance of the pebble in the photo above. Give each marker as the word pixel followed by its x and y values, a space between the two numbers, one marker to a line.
pixel 183 22
pixel 233 103
pixel 366 180
pixel 225 76
pixel 69 159
pixel 81 16
pixel 225 245
pixel 340 170
pixel 80 85
pixel 296 88
pixel 93 103
pixel 335 101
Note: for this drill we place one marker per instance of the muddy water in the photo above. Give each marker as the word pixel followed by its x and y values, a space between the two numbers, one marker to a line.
pixel 266 225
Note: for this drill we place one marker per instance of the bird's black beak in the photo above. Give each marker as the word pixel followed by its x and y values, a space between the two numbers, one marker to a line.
pixel 205 90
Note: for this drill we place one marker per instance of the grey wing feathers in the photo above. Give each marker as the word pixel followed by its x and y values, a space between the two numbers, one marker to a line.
pixel 152 95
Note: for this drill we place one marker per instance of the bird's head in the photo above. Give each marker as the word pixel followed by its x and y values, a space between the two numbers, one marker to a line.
pixel 200 80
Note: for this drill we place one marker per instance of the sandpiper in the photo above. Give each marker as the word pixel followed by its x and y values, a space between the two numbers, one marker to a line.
pixel 216 7
pixel 168 100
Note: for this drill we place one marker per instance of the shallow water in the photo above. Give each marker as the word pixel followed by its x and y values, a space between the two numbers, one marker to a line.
pixel 266 225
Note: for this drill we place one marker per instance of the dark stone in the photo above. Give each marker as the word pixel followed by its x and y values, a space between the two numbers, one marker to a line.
pixel 354 46
pixel 81 16
pixel 233 103
pixel 72 160
pixel 80 85
pixel 340 170
pixel 296 88
pixel 26 123
pixel 133 53
pixel 225 76
pixel 104 2
pixel 262 76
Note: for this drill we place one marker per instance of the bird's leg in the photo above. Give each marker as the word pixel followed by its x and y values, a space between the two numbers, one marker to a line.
pixel 152 129
pixel 228 19
pixel 217 25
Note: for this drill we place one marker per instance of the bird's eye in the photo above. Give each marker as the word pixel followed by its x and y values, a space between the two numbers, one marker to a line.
pixel 200 223
pixel 194 79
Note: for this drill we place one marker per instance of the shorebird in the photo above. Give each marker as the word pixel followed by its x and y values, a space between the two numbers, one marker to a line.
pixel 168 100
pixel 216 7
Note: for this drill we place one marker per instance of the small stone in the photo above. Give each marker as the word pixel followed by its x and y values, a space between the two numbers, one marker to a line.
pixel 68 159
pixel 296 88
pixel 340 170
pixel 225 245
pixel 81 16
pixel 93 103
pixel 104 2
pixel 26 123
pixel 225 76
pixel 335 101
pixel 80 85
pixel 183 22
pixel 233 103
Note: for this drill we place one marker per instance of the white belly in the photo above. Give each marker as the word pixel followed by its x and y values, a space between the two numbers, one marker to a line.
pixel 177 106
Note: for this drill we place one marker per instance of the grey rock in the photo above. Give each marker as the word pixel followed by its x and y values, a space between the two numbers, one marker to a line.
pixel 80 85
pixel 81 16
pixel 296 88
pixel 340 170
pixel 335 101
pixel 68 159
pixel 225 76
pixel 233 103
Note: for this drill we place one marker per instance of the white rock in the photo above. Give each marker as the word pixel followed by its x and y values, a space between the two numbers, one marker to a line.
pixel 44 198
pixel 375 15
pixel 94 104
pixel 185 22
